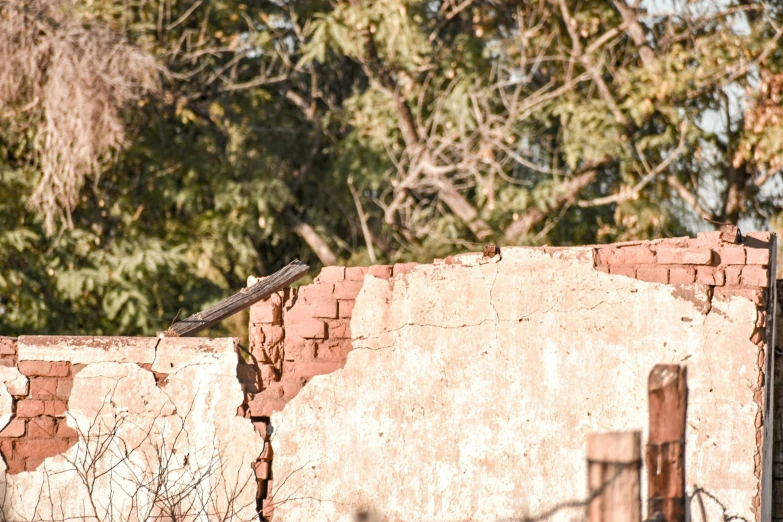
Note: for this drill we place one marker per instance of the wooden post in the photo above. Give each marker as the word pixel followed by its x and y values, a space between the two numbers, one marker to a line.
pixel 239 301
pixel 613 469
pixel 665 455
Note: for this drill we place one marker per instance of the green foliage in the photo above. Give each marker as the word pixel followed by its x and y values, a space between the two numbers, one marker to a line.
pixel 444 124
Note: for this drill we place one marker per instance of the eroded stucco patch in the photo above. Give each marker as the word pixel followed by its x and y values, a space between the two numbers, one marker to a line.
pixel 143 449
pixel 473 385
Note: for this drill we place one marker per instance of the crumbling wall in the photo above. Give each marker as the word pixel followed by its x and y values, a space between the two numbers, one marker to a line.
pixel 461 390
pixel 297 334
pixel 473 382
pixel 124 429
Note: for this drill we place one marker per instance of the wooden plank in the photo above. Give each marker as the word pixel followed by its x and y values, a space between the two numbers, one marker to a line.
pixel 665 455
pixel 613 477
pixel 239 301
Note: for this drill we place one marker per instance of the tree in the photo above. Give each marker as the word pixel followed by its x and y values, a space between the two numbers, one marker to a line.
pixel 362 131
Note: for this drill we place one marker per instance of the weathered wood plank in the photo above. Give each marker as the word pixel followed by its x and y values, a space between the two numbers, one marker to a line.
pixel 613 477
pixel 239 301
pixel 665 455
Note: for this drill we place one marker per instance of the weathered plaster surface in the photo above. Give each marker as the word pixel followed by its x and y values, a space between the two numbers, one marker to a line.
pixel 83 350
pixel 145 450
pixel 471 390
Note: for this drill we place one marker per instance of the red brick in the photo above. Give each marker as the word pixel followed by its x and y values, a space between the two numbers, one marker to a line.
pixel 709 238
pixel 731 255
pixel 326 309
pixel 602 255
pixel 266 334
pixel 60 369
pixel 684 256
pixel 266 312
pixel 262 469
pixel 267 453
pixel 268 375
pixel 14 466
pixel 55 408
pixel 708 275
pixel 757 256
pixel 652 273
pixel 755 276
pixel 311 329
pixel 602 268
pixel 355 273
pixel 348 290
pixel 314 293
pixel 346 308
pixel 757 295
pixel 331 274
pixel 7 346
pixel 635 255
pixel 623 270
pixel 299 349
pixel 292 385
pixel 340 329
pixel 7 361
pixel 29 408
pixel 15 428
pixel 403 268
pixel 758 239
pixel 261 429
pixel 682 275
pixel 312 369
pixel 45 368
pixel 733 275
pixel 264 404
pixel 66 432
pixel 380 271
pixel 39 448
pixel 333 351
pixel 43 387
pixel 32 463
pixel 41 427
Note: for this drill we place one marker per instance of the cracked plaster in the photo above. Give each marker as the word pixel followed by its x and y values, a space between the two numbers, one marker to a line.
pixel 189 429
pixel 472 387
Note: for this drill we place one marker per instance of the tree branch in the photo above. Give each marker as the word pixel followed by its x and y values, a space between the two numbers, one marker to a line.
pixel 569 190
pixel 603 89
pixel 688 197
pixel 634 192
pixel 306 231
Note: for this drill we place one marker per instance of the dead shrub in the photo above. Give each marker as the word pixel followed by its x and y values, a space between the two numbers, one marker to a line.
pixel 63 85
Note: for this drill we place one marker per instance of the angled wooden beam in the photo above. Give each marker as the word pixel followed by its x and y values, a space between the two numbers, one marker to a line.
pixel 239 301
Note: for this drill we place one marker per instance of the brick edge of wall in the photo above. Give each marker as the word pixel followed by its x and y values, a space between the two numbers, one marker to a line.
pixel 744 269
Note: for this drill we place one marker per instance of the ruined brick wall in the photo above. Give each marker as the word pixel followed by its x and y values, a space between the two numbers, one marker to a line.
pixel 38 428
pixel 470 373
pixel 726 268
pixel 297 334
pixel 437 344
pixel 109 428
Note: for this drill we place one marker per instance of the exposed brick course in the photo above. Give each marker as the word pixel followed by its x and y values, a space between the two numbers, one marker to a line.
pixel 298 334
pixel 729 264
pixel 38 429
